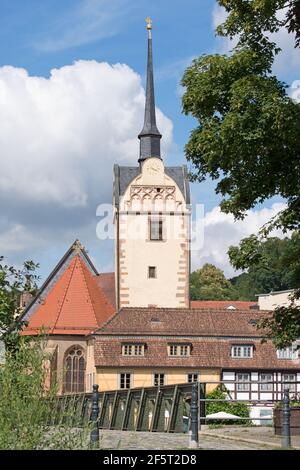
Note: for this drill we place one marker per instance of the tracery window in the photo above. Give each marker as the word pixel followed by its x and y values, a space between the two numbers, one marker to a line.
pixel 74 370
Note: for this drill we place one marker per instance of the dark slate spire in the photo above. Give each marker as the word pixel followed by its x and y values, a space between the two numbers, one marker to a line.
pixel 150 135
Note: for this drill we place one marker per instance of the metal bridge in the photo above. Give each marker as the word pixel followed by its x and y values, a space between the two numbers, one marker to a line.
pixel 165 409
pixel 170 408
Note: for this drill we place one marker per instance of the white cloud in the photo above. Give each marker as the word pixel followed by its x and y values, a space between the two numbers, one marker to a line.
pixel 219 15
pixel 60 137
pixel 221 231
pixel 15 238
pixel 295 91
pixel 223 44
pixel 287 62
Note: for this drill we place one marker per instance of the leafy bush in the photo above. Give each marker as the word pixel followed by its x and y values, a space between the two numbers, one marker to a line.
pixel 294 401
pixel 26 406
pixel 238 409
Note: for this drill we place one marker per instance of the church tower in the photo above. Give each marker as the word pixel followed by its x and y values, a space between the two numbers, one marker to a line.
pixel 152 221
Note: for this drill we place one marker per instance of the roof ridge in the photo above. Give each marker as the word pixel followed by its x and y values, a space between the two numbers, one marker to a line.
pixel 88 291
pixel 66 291
pixel 101 291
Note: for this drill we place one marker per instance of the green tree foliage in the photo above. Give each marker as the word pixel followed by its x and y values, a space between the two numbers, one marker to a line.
pixel 237 409
pixel 209 283
pixel 284 326
pixel 247 138
pixel 23 408
pixel 26 405
pixel 248 132
pixel 12 282
pixel 272 265
pixel 254 19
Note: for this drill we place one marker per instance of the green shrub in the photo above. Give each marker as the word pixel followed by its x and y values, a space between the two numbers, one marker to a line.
pixel 25 405
pixel 238 409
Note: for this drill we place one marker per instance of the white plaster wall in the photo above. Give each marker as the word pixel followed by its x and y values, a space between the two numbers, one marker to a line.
pixel 273 300
pixel 137 252
pixel 255 413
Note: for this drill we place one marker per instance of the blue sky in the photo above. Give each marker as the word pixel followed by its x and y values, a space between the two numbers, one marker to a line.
pixel 40 36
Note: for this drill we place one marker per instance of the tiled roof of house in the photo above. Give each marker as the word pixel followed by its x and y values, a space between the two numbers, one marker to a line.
pixel 75 303
pixel 223 304
pixel 211 333
pixel 206 352
pixel 183 321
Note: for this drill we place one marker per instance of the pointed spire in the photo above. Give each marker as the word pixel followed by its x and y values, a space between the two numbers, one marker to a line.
pixel 150 135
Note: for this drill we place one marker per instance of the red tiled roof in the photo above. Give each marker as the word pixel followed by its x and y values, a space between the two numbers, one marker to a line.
pixel 206 352
pixel 211 334
pixel 107 282
pixel 184 321
pixel 75 304
pixel 222 304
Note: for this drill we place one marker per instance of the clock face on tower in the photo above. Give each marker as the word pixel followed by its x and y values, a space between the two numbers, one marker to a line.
pixel 153 168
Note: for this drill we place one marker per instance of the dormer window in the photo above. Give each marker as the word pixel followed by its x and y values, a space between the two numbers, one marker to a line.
pixel 242 351
pixel 288 353
pixel 179 350
pixel 133 349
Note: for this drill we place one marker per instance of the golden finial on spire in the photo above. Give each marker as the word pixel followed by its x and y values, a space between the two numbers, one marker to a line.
pixel 149 23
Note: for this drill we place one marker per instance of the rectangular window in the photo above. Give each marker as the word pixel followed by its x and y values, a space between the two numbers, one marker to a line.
pixel 286 379
pixel 192 378
pixel 158 380
pixel 242 351
pixel 243 384
pixel 288 353
pixel 181 350
pixel 184 350
pixel 152 272
pixel 265 382
pixel 133 349
pixel 156 229
pixel 125 380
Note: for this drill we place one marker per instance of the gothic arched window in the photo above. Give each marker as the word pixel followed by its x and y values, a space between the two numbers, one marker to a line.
pixel 74 370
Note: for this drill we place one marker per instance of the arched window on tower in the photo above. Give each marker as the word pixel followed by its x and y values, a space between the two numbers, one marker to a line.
pixel 74 370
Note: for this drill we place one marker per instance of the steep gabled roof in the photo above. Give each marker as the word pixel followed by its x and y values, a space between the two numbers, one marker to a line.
pixel 70 301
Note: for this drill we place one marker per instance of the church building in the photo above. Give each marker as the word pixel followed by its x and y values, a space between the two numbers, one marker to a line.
pixel 137 327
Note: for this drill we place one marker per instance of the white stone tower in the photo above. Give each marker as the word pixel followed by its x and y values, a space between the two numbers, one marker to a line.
pixel 152 221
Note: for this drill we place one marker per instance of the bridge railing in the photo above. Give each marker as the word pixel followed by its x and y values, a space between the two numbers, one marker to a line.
pixel 165 408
